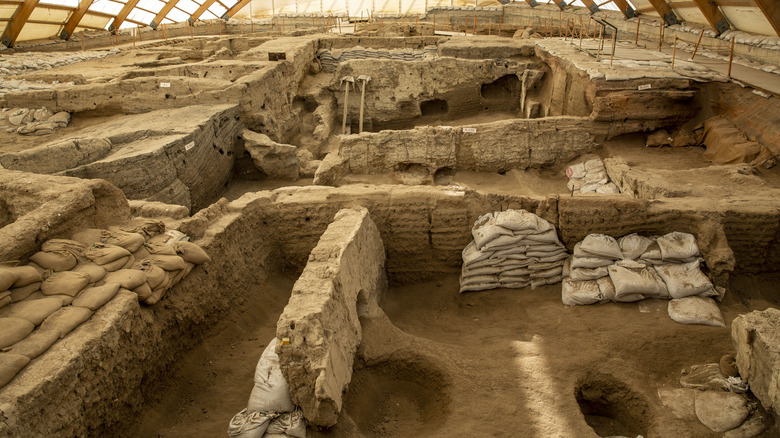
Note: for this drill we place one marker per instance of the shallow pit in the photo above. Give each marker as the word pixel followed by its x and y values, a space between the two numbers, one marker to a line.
pixel 610 407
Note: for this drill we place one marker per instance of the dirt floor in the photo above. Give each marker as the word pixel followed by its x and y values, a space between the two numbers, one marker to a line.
pixel 506 362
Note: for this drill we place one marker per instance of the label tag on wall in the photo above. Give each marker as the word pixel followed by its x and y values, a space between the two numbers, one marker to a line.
pixel 470 130
pixel 165 85
pixel 189 146
pixel 645 87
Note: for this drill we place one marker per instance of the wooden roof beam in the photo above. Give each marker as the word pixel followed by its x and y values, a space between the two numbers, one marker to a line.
pixel 237 7
pixel 122 15
pixel 163 12
pixel 590 4
pixel 625 8
pixel 713 15
pixel 771 10
pixel 201 9
pixel 75 19
pixel 17 22
pixel 665 12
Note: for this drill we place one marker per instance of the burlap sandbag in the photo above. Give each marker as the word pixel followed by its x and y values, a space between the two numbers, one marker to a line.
pixel 168 262
pixel 143 291
pixel 66 319
pixel 34 311
pixel 183 273
pixel 64 299
pixel 10 365
pixel 118 263
pixel 7 279
pixel 146 227
pixel 94 298
pixel 141 254
pixel 126 278
pixel 103 253
pixel 13 330
pixel 35 344
pixel 92 269
pixel 25 275
pixel 72 246
pixel 128 241
pixel 191 253
pixel 160 249
pixel 5 299
pixel 55 260
pixel 88 236
pixel 65 283
pixel 155 275
pixel 20 293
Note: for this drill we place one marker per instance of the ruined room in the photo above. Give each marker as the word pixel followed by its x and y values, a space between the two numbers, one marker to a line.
pixel 423 218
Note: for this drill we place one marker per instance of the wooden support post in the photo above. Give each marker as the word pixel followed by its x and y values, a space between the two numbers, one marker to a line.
pixel 696 48
pixel 587 34
pixel 475 25
pixel 660 36
pixel 192 30
pixel 731 57
pixel 134 37
pixel 614 42
pixel 580 33
pixel 339 24
pixel 674 51
pixel 636 39
pixel 601 40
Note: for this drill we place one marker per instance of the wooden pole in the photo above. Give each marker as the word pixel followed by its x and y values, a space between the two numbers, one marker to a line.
pixel 731 56
pixel 475 25
pixel 695 49
pixel 636 39
pixel 594 31
pixel 601 40
pixel 580 33
pixel 134 38
pixel 466 30
pixel 192 31
pixel 612 55
pixel 660 36
pixel 282 24
pixel 674 51
pixel 339 18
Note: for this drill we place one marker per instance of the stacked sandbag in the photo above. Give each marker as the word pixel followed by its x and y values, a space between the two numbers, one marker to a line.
pixel 69 279
pixel 511 249
pixel 270 410
pixel 590 177
pixel 633 268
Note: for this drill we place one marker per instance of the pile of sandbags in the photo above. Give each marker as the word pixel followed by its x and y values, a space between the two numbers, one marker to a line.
pixel 511 249
pixel 590 177
pixel 636 267
pixel 69 279
pixel 31 121
pixel 270 411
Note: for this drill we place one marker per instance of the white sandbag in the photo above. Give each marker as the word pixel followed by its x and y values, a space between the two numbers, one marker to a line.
pixel 521 220
pixel 633 245
pixel 539 282
pixel 293 424
pixel 519 272
pixel 608 189
pixel 548 273
pixel 510 264
pixel 696 310
pixel 502 242
pixel 684 280
pixel 246 424
pixel 601 245
pixel 566 268
pixel 607 289
pixel 575 184
pixel 652 254
pixel 590 187
pixel 597 176
pixel 554 258
pixel 594 164
pixel 271 392
pixel 471 254
pixel 516 284
pixel 632 278
pixel 487 233
pixel 479 287
pixel 579 293
pixel 542 266
pixel 589 262
pixel 576 171
pixel 478 279
pixel 677 246
pixel 517 252
pixel 478 272
pixel 486 263
pixel 585 274
pixel 549 236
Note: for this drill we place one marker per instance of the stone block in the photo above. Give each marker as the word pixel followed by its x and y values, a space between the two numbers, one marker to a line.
pixel 756 336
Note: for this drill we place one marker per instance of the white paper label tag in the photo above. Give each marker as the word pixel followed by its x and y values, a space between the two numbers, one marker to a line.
pixel 645 87
pixel 165 85
pixel 470 130
pixel 189 146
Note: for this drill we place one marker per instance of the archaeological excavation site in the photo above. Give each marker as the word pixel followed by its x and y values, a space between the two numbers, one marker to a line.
pixel 400 219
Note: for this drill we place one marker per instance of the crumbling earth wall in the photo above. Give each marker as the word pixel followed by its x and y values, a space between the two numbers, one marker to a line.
pixel 343 279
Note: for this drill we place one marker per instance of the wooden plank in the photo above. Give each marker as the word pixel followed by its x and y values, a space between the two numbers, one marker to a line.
pixel 771 10
pixel 681 5
pixel 75 19
pixel 169 4
pixel 237 7
pixel 18 20
pixel 201 9
pixel 735 2
pixel 625 8
pixel 713 15
pixel 665 12
pixel 122 15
